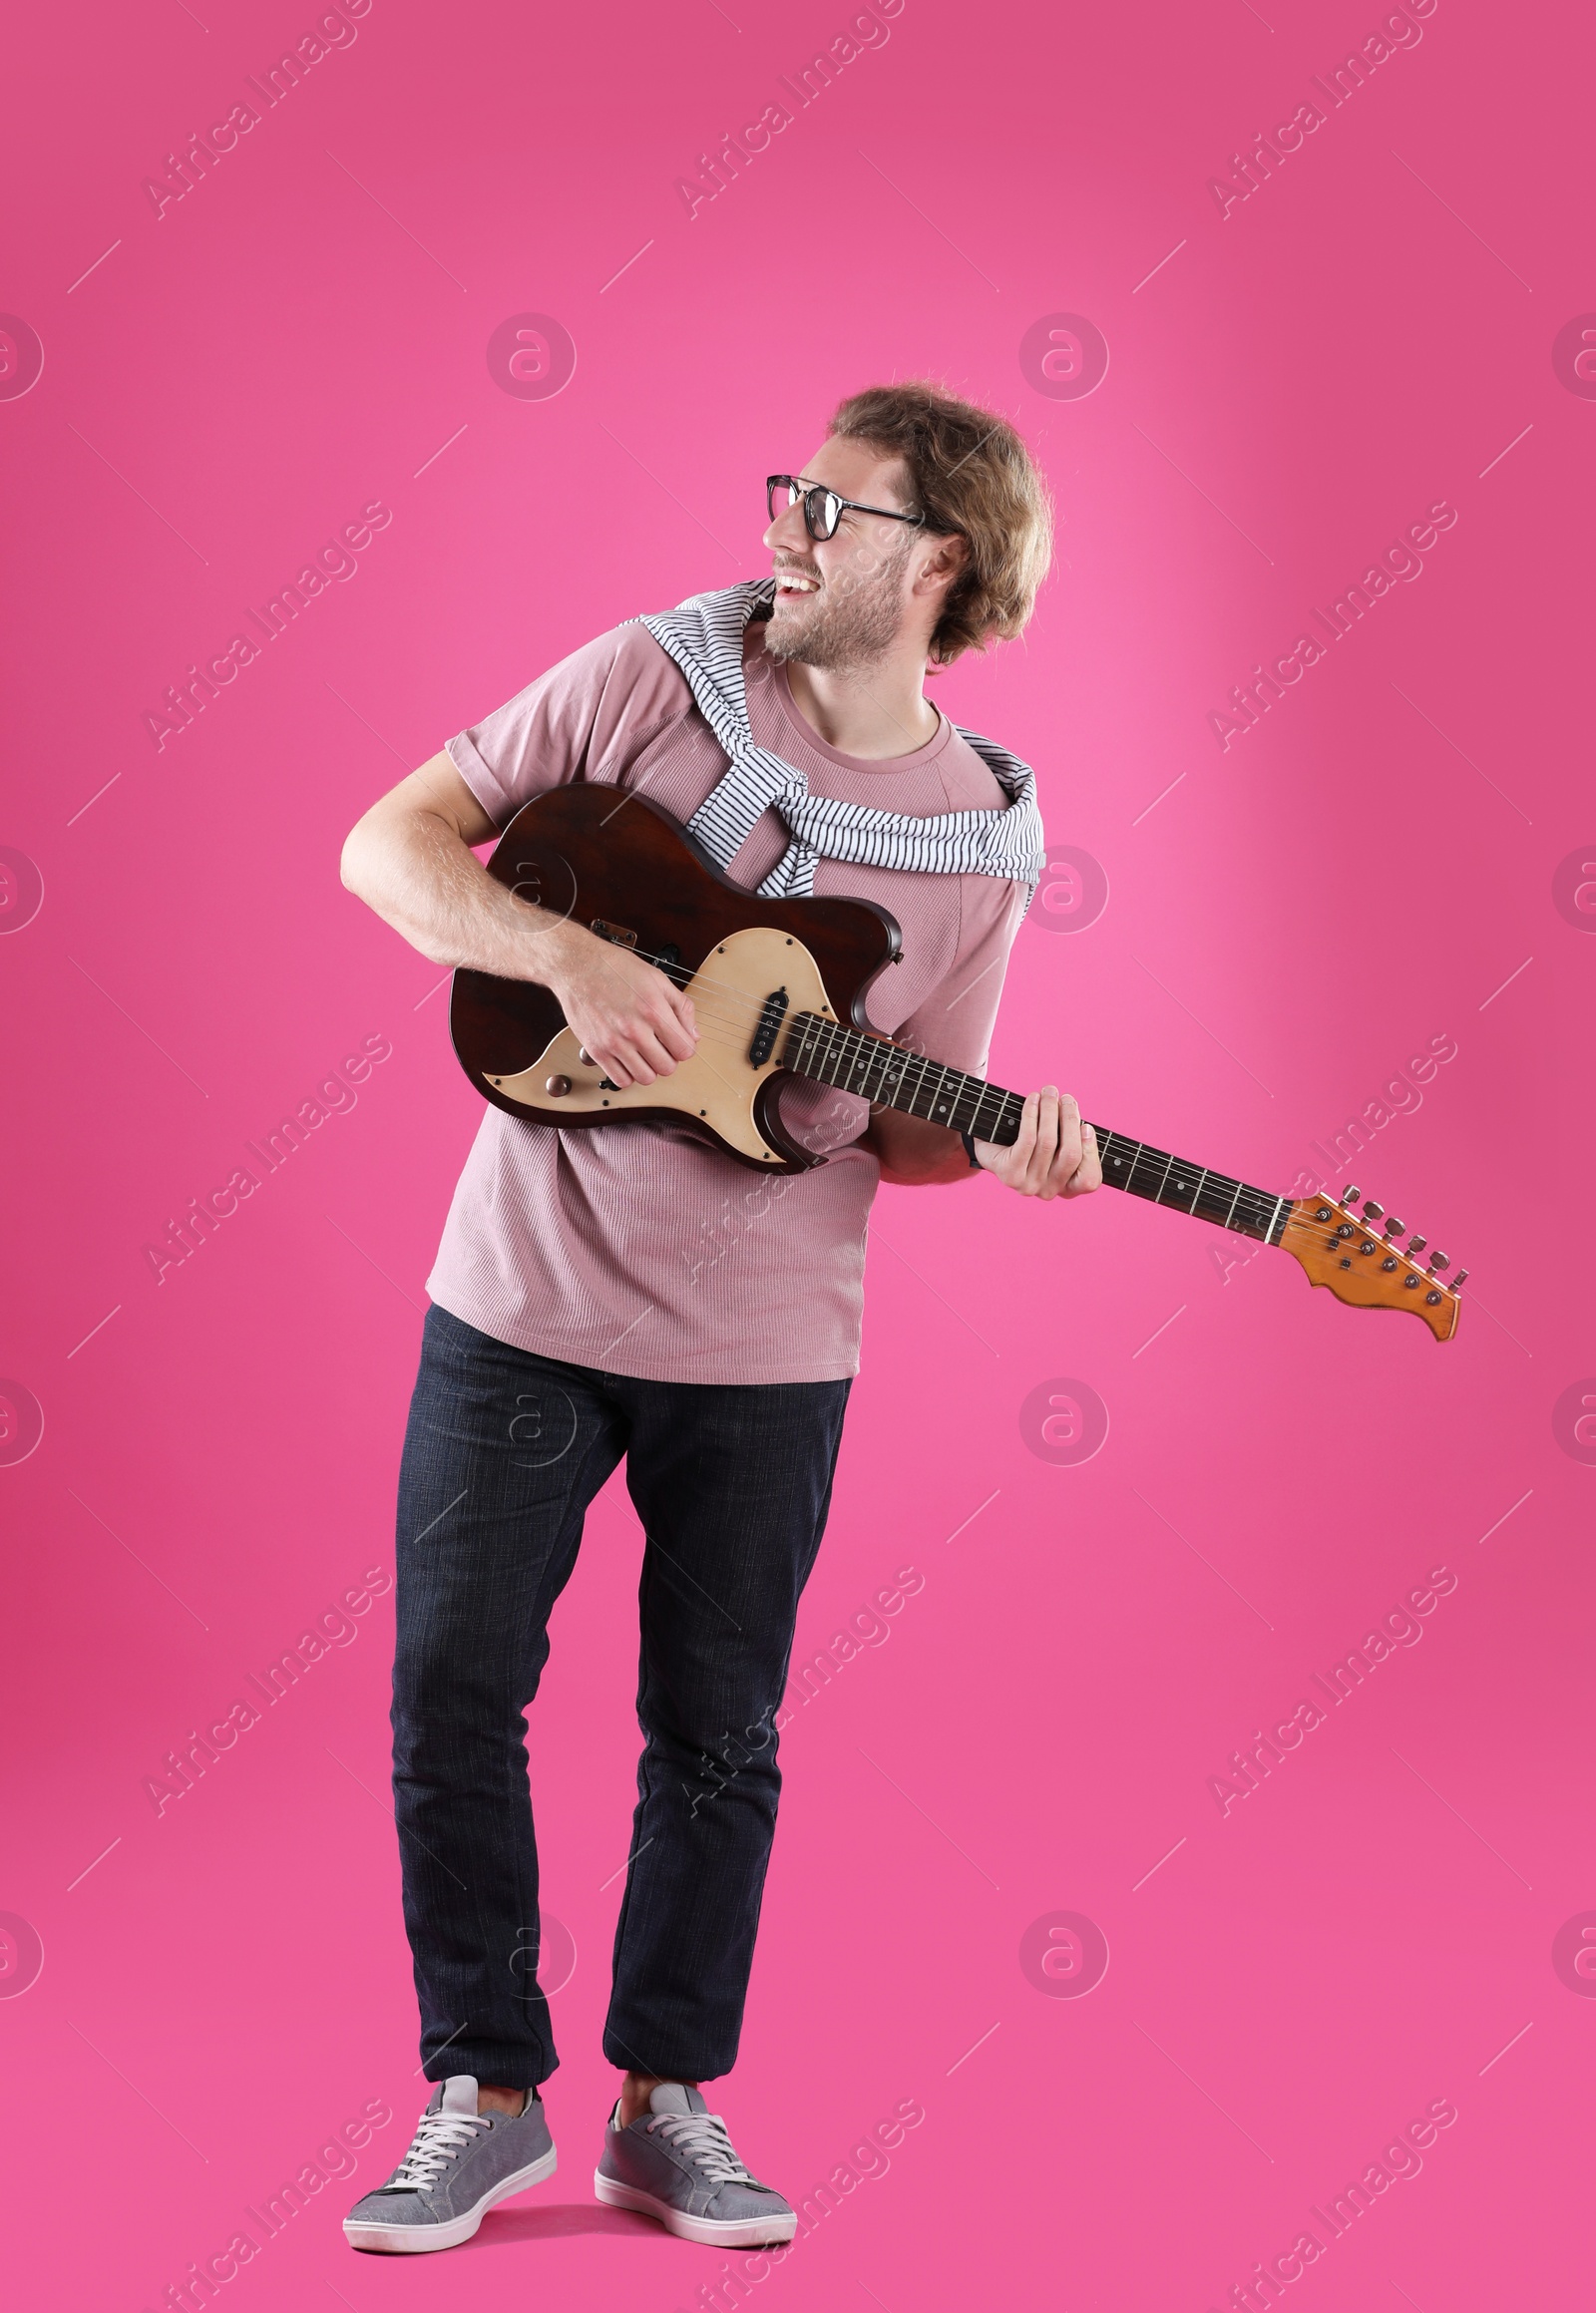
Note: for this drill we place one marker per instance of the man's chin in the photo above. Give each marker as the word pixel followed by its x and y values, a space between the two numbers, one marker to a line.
pixel 785 631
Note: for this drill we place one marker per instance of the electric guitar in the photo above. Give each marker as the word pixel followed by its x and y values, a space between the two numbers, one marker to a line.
pixel 778 987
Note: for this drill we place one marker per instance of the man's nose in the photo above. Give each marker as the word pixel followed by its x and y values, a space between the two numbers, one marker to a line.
pixel 788 530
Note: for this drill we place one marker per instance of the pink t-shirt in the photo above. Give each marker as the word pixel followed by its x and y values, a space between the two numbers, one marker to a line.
pixel 639 1248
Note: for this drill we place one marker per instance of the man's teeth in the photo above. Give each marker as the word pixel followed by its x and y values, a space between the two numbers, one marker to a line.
pixel 788 580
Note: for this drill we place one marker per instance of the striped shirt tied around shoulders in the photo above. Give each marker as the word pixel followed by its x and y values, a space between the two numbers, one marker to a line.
pixel 704 636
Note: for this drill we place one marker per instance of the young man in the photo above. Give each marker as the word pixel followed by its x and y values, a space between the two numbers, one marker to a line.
pixel 592 1300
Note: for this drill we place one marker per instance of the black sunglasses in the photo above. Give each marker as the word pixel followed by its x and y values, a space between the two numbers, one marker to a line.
pixel 823 509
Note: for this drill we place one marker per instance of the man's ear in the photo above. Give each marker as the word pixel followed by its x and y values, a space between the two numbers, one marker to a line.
pixel 943 565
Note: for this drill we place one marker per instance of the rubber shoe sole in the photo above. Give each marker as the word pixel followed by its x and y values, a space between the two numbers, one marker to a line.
pixel 416 2238
pixel 744 2233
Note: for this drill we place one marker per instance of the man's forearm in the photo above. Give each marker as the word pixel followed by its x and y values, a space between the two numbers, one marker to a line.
pixel 418 873
pixel 411 860
pixel 913 1153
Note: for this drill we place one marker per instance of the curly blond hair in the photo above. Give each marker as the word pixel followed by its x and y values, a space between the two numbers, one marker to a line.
pixel 971 475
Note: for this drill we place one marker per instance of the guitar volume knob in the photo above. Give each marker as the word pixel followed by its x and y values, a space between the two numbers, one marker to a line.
pixel 556 1087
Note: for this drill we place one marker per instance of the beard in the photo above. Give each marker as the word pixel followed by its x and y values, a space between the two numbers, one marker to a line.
pixel 853 621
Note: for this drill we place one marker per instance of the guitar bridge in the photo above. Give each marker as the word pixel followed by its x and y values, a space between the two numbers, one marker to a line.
pixel 770 1019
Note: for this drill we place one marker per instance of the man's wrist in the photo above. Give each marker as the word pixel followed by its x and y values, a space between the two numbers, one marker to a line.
pixel 555 944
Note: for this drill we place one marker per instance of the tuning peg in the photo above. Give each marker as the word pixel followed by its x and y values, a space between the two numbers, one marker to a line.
pixel 1349 1196
pixel 1416 1247
pixel 1394 1227
pixel 1459 1279
pixel 1440 1261
pixel 1372 1211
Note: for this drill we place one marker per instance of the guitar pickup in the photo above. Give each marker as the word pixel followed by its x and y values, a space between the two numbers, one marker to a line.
pixel 614 932
pixel 771 1017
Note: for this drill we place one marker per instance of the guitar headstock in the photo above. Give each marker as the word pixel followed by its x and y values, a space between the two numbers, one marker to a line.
pixel 1365 1265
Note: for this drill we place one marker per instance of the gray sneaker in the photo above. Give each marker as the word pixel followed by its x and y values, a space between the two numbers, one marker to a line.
pixel 677 2164
pixel 459 2166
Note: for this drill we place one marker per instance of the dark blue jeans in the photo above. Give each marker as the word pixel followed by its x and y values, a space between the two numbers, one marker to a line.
pixel 503 1455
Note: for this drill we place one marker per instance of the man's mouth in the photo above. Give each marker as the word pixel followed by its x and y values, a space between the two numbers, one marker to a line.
pixel 791 584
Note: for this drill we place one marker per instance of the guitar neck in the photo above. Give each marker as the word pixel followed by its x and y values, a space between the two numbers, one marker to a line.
pixel 875 1070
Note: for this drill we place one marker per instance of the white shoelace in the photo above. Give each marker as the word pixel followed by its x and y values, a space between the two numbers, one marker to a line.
pixel 704 2139
pixel 440 2137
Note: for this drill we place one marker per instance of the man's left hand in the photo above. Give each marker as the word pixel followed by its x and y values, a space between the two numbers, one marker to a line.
pixel 1056 1154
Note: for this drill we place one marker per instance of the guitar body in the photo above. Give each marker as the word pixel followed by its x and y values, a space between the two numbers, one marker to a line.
pixel 618 865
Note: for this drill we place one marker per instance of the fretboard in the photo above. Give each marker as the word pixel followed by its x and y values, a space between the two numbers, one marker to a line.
pixel 877 1070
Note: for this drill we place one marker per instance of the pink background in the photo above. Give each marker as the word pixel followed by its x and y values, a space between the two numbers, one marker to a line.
pixel 1369 332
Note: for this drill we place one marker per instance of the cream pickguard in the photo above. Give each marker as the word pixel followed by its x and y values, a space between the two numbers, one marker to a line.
pixel 728 993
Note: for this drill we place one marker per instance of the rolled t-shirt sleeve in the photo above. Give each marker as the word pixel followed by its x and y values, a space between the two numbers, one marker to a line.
pixel 582 719
pixel 953 1023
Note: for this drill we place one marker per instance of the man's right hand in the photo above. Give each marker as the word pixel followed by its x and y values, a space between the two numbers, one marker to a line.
pixel 411 859
pixel 635 1023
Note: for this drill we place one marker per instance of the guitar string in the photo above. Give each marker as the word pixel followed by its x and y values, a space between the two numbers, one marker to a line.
pixel 1252 1201
pixel 1260 1202
pixel 920 1064
pixel 682 975
pixel 1254 1205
